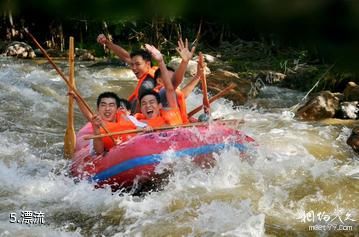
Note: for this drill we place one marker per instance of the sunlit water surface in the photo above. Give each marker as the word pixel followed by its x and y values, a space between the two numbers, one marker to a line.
pixel 298 173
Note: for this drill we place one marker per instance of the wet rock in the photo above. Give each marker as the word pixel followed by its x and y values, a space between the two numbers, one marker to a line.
pixel 348 110
pixel 351 92
pixel 271 77
pixel 353 140
pixel 191 68
pixel 207 58
pixel 19 50
pixel 320 106
pixel 53 53
pixel 220 79
pixel 84 55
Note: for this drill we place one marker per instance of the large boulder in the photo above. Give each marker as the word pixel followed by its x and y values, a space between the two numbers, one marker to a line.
pixel 19 50
pixel 320 106
pixel 84 55
pixel 220 79
pixel 271 77
pixel 351 92
pixel 191 67
pixel 207 58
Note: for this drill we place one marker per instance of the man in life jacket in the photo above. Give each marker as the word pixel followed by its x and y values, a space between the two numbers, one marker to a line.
pixel 140 63
pixel 110 116
pixel 152 111
pixel 107 105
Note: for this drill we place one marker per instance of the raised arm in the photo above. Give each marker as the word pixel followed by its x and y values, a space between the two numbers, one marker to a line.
pixel 187 89
pixel 96 124
pixel 170 90
pixel 186 55
pixel 118 50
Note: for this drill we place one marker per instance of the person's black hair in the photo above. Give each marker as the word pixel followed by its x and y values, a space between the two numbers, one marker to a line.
pixel 150 92
pixel 125 103
pixel 158 71
pixel 143 53
pixel 108 94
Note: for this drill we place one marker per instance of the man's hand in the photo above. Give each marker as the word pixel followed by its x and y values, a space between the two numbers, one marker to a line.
pixel 183 50
pixel 155 53
pixel 101 39
pixel 148 129
pixel 96 121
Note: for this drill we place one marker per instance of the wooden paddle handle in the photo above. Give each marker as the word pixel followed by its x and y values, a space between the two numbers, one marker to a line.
pixel 70 118
pixel 204 81
pixel 59 71
pixel 213 98
pixel 229 121
pixel 63 76
pixel 70 135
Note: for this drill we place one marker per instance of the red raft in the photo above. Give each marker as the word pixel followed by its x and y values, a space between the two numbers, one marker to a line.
pixel 136 159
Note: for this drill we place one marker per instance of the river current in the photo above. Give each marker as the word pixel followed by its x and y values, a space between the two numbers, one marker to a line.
pixel 301 180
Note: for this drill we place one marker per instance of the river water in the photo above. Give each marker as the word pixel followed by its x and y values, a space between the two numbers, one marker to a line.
pixel 301 180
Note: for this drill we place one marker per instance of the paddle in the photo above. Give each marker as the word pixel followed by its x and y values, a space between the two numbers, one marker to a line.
pixel 81 100
pixel 70 136
pixel 204 84
pixel 226 122
pixel 213 98
pixel 59 71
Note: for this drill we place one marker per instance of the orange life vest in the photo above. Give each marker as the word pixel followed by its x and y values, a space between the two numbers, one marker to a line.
pixel 122 124
pixel 153 122
pixel 181 101
pixel 168 116
pixel 151 74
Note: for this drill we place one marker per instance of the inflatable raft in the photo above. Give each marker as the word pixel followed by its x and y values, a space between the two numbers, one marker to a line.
pixel 135 160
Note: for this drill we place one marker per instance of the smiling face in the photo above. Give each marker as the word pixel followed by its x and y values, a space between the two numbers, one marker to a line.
pixel 107 109
pixel 150 107
pixel 139 66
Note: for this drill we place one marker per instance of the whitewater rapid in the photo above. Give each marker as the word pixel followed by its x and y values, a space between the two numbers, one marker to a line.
pixel 298 171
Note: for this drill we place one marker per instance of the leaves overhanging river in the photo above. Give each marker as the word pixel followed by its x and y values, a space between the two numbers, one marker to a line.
pixel 298 168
